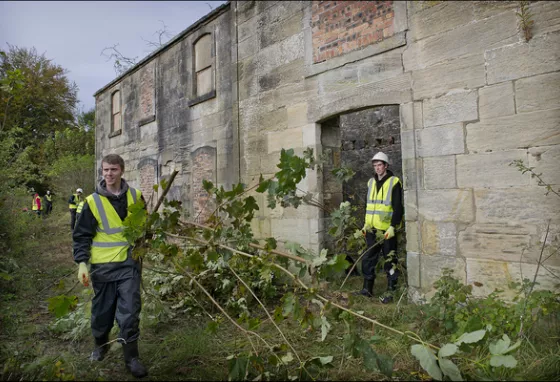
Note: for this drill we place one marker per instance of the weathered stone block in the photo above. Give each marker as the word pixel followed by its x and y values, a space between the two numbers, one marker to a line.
pixel 274 33
pixel 485 8
pixel 538 92
pixel 274 120
pixel 446 205
pixel 338 79
pixel 296 230
pixel 461 73
pixel 440 140
pixel 380 67
pixel 439 172
pixel 498 274
pixel 297 115
pixel 522 59
pixel 491 170
pixel 407 116
pixel 285 51
pixel 431 268
pixel 455 107
pixel 440 18
pixel 247 29
pixel 523 130
pixel 502 242
pixel 439 238
pixel 519 205
pixel 282 76
pixel 545 160
pixel 247 48
pixel 412 173
pixel 413 267
pixel 410 207
pixel 418 116
pixel 546 17
pixel 289 138
pixel 496 101
pixel 472 38
pixel 407 145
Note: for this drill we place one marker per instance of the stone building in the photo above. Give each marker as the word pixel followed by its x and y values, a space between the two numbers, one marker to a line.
pixel 452 91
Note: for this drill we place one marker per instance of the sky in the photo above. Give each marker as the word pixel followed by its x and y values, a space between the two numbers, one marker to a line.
pixel 73 34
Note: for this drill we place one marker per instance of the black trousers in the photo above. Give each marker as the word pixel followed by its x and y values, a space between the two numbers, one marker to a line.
pixel 72 218
pixel 48 208
pixel 117 299
pixel 370 259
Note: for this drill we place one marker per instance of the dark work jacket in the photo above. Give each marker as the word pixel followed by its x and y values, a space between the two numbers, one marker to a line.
pixel 396 198
pixel 85 229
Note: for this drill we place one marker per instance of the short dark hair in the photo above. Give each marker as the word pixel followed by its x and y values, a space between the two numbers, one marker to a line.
pixel 113 159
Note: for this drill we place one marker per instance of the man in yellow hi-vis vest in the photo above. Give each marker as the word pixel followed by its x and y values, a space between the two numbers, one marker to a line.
pixel 384 212
pixel 73 202
pixel 115 275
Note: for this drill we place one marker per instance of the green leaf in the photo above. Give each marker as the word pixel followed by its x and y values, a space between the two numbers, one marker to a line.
pixel 447 350
pixel 287 358
pixel 206 184
pixel 470 338
pixel 500 346
pixel 270 243
pixel 385 364
pixel 450 369
pixel 372 360
pixel 238 368
pixel 427 359
pixel 503 360
pixel 62 304
pixel 325 328
pixel 263 185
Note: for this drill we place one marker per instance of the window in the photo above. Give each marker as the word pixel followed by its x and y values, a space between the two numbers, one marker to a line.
pixel 203 66
pixel 116 112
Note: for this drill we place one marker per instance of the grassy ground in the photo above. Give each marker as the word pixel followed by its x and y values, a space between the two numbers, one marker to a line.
pixel 181 348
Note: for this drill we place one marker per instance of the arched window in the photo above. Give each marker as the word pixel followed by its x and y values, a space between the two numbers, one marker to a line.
pixel 116 112
pixel 203 66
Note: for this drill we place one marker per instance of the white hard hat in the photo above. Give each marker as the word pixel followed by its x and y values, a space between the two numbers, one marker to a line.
pixel 381 156
pixel 79 190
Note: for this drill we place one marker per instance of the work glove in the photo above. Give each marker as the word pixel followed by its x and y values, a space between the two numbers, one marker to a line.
pixel 83 274
pixel 390 233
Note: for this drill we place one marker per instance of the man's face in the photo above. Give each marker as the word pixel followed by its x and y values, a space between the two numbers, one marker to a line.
pixel 112 173
pixel 380 167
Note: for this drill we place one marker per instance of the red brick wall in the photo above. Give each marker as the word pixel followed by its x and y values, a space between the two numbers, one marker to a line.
pixel 203 167
pixel 340 27
pixel 147 181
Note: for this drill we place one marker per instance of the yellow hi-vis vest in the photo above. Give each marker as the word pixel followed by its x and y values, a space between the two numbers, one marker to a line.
pixel 35 207
pixel 379 210
pixel 109 244
pixel 80 207
pixel 49 198
pixel 77 200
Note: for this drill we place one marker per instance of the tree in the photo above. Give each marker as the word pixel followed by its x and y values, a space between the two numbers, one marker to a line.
pixel 37 101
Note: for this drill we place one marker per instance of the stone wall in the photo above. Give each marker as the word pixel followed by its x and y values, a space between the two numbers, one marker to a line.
pixel 472 96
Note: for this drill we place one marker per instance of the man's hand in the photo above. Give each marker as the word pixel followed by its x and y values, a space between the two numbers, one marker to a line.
pixel 390 233
pixel 83 274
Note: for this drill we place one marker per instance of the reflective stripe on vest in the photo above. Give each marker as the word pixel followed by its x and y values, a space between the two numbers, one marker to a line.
pixel 379 210
pixel 80 207
pixel 49 198
pixel 109 244
pixel 74 205
pixel 34 207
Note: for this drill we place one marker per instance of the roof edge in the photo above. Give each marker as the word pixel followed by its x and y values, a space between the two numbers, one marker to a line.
pixel 208 17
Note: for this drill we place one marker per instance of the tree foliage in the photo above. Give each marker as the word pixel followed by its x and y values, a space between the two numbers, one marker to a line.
pixel 43 138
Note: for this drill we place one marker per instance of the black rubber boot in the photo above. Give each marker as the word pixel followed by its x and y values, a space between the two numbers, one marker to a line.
pixel 132 361
pixel 367 290
pixel 391 287
pixel 101 349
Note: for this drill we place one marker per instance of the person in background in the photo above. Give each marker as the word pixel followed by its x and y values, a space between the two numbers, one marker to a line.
pixel 115 275
pixel 73 202
pixel 384 212
pixel 48 203
pixel 36 206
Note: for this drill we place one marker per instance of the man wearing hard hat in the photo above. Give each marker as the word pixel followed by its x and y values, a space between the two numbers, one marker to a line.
pixel 384 212
pixel 73 202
